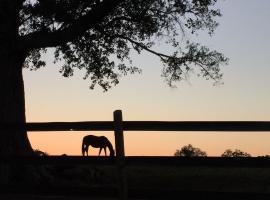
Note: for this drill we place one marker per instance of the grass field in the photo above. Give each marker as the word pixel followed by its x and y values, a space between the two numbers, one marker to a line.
pixel 255 180
pixel 218 179
pixel 89 180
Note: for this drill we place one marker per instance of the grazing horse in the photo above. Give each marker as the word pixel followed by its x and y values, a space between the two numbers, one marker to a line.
pixel 100 142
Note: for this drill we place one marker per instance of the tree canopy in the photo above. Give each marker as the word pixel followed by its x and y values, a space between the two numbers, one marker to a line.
pixel 190 151
pixel 98 36
pixel 235 153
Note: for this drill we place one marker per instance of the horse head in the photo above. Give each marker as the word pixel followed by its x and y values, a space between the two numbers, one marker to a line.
pixel 112 153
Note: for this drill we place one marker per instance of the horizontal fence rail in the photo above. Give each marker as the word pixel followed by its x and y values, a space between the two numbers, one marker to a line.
pixel 227 162
pixel 229 126
pixel 58 160
pixel 61 126
pixel 196 126
pixel 161 161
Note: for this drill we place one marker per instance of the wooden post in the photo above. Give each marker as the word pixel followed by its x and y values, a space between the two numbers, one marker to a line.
pixel 120 154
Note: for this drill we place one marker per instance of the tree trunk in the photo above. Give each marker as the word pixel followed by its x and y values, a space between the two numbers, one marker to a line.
pixel 13 142
pixel 12 103
pixel 12 107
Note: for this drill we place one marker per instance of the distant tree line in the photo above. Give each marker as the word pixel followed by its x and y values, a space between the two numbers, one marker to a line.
pixel 186 151
pixel 190 151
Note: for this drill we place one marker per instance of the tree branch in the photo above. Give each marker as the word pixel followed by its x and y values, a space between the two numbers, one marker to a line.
pixel 144 47
pixel 164 56
pixel 44 39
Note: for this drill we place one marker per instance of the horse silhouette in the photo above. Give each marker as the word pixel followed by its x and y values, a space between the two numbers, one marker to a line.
pixel 100 142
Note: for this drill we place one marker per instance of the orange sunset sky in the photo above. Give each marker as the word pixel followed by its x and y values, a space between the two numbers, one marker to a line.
pixel 243 36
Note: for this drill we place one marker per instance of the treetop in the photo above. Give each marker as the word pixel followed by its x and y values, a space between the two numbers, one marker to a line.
pixel 99 35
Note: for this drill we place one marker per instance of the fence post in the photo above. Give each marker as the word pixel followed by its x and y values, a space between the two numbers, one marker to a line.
pixel 120 154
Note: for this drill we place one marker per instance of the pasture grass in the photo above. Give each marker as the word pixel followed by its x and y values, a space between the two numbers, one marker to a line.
pixel 217 179
pixel 255 180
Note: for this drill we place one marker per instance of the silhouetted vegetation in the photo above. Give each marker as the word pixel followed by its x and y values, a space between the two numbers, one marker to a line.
pixel 40 153
pixel 190 151
pixel 87 40
pixel 235 153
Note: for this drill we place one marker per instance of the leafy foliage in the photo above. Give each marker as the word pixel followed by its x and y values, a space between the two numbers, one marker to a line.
pixel 40 153
pixel 235 153
pixel 190 151
pixel 98 36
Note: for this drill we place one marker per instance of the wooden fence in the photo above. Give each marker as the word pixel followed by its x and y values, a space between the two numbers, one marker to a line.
pixel 120 161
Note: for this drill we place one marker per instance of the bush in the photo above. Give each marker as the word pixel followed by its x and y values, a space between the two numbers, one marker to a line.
pixel 190 151
pixel 235 153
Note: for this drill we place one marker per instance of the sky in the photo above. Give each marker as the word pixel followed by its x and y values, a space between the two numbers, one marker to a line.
pixel 242 36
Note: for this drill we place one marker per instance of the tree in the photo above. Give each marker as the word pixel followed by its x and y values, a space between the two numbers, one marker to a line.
pixel 96 36
pixel 235 153
pixel 190 151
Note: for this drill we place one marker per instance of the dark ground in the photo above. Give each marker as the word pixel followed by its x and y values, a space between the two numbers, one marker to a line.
pixel 70 182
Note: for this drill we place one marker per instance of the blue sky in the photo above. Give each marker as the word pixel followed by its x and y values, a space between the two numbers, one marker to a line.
pixel 243 36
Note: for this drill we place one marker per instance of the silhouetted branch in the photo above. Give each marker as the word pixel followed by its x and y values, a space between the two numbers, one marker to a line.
pixel 43 39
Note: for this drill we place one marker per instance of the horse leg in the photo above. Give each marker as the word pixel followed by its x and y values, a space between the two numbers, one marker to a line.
pixel 83 150
pixel 105 151
pixel 87 150
pixel 100 151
